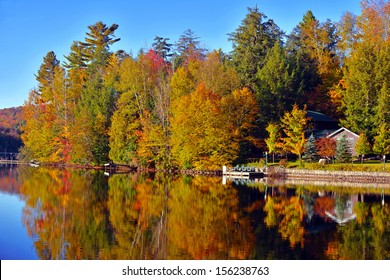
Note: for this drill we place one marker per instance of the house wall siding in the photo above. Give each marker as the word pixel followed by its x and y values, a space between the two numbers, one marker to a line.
pixel 351 137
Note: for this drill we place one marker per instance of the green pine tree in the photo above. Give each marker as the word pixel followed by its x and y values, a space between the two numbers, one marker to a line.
pixel 45 76
pixel 77 57
pixel 312 49
pixel 274 90
pixel 310 154
pixel 343 150
pixel 251 42
pixel 98 96
pixel 188 49
pixel 162 48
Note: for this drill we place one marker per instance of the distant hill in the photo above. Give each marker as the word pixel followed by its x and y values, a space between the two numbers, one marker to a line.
pixel 11 119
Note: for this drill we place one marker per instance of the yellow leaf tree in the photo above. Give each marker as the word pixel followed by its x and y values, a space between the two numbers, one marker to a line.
pixel 294 124
pixel 201 137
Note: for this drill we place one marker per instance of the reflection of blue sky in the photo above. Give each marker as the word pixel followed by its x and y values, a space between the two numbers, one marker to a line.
pixel 14 242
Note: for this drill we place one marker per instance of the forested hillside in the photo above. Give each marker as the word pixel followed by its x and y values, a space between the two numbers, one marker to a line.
pixel 180 105
pixel 11 120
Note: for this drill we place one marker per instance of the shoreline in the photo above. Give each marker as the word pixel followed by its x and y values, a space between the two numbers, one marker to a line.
pixel 275 173
pixel 328 175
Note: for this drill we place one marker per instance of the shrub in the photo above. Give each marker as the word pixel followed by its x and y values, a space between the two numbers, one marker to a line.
pixel 283 163
pixel 262 162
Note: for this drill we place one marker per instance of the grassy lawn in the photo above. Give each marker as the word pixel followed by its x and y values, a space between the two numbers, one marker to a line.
pixel 368 165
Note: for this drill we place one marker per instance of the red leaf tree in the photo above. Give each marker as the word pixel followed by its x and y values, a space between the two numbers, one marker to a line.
pixel 326 147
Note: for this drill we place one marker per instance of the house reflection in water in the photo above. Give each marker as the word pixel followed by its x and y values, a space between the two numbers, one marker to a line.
pixel 343 208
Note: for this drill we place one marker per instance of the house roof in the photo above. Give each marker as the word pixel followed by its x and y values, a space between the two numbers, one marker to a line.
pixel 340 130
pixel 319 117
pixel 346 218
pixel 321 133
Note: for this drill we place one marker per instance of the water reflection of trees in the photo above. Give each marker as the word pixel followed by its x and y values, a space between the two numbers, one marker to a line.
pixel 74 214
pixel 206 222
pixel 364 232
pixel 65 213
pixel 287 214
pixel 82 215
pixel 9 179
pixel 178 218
pixel 368 237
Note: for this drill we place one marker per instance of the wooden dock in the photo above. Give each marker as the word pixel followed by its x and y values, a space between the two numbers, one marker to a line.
pixel 112 168
pixel 231 173
pixel 12 161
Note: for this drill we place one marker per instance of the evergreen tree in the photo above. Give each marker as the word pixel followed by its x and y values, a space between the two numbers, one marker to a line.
pixel 123 131
pixel 251 41
pixel 312 46
pixel 274 87
pixel 98 41
pixel 304 74
pixel 343 150
pixel 162 48
pixel 77 57
pixel 97 99
pixel 188 49
pixel 45 76
pixel 310 154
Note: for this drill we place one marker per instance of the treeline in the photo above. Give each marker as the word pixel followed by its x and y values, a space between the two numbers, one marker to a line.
pixel 179 105
pixel 11 120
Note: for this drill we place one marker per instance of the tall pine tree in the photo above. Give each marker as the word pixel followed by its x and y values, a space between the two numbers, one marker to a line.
pixel 274 88
pixel 251 41
pixel 96 106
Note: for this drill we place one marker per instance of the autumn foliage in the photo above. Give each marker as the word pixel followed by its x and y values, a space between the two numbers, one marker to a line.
pixel 182 106
pixel 11 119
pixel 326 147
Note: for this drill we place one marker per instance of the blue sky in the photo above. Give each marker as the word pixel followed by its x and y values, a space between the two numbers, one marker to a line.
pixel 31 28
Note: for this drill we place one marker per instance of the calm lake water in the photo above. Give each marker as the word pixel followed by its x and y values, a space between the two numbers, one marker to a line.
pixel 75 214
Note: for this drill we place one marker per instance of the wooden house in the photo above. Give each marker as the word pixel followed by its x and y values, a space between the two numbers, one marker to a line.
pixel 351 137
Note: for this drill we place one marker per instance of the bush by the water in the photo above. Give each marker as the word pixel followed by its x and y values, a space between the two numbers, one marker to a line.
pixel 283 163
